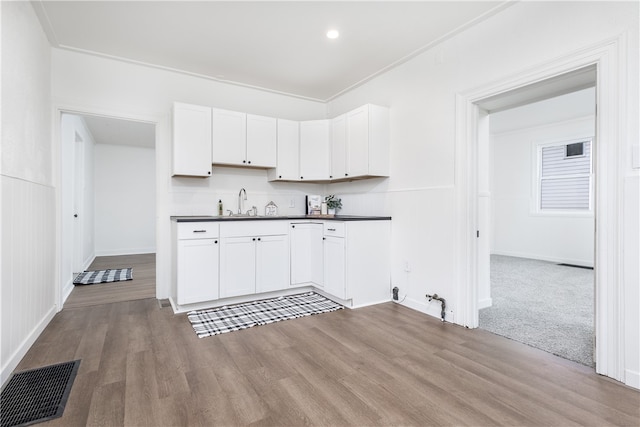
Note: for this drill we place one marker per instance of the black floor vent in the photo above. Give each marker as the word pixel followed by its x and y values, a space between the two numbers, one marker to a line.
pixel 576 266
pixel 37 395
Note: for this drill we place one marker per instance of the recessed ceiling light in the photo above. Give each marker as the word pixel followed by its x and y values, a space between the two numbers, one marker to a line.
pixel 333 34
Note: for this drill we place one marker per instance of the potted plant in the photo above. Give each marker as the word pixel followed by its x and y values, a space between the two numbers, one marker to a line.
pixel 333 204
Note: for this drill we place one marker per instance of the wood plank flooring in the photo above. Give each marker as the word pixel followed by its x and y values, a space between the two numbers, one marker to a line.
pixel 142 286
pixel 381 365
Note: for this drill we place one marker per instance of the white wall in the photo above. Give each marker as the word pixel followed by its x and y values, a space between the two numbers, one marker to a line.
pixel 125 200
pixel 28 203
pixel 96 85
pixel 516 228
pixel 73 127
pixel 420 194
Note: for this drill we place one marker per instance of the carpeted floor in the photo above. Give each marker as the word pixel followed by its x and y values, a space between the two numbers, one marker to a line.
pixel 544 305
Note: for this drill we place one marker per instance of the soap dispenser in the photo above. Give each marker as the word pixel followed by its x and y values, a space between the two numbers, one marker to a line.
pixel 220 210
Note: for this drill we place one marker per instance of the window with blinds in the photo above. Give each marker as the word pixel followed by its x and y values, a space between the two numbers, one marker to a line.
pixel 565 176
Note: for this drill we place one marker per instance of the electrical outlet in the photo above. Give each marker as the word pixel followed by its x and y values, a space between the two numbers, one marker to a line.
pixel 407 267
pixel 292 202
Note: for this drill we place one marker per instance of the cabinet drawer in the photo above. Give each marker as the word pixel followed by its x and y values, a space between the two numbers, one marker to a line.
pixel 253 228
pixel 334 228
pixel 197 230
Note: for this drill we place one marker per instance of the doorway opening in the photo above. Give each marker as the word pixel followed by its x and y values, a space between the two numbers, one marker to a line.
pixel 608 59
pixel 108 206
pixel 541 226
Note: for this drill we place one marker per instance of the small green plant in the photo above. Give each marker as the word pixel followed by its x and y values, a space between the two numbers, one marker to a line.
pixel 333 202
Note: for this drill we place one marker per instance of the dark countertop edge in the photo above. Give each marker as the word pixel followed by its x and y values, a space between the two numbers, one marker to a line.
pixel 179 218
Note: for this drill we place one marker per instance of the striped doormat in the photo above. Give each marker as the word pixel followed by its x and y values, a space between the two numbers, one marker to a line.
pixel 220 320
pixel 103 276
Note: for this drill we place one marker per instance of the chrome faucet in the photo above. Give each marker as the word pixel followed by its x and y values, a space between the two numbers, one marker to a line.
pixel 241 200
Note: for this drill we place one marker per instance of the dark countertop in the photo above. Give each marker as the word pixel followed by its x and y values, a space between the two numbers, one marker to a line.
pixel 281 218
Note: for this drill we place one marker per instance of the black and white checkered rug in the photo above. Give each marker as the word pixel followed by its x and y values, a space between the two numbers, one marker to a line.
pixel 103 276
pixel 220 320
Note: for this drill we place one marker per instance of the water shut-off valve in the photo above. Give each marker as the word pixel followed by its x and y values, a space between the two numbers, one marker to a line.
pixel 442 301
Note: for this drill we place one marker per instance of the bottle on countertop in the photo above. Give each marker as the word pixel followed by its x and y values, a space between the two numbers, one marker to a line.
pixel 220 210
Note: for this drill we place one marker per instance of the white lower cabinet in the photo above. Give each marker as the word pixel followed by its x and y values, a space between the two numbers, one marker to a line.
pixel 237 266
pixel 272 263
pixel 335 267
pixel 254 257
pixel 347 260
pixel 197 252
pixel 306 254
pixel 356 261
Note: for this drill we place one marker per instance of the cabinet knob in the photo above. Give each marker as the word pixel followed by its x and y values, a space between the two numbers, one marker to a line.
pixel 324 238
pixel 254 239
pixel 293 226
pixel 279 176
pixel 259 239
pixel 215 241
pixel 209 173
pixel 346 174
pixel 330 176
pixel 302 177
pixel 244 161
pixel 249 162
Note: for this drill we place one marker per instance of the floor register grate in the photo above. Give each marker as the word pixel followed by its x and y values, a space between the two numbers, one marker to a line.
pixel 37 395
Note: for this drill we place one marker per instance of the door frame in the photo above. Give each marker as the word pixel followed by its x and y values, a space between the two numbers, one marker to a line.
pixel 609 58
pixel 58 110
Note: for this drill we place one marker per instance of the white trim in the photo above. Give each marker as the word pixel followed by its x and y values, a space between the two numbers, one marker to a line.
pixel 132 251
pixel 25 345
pixel 609 57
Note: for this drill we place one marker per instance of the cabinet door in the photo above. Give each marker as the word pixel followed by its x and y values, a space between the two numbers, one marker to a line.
pixel 306 254
pixel 358 142
pixel 314 150
pixel 261 141
pixel 229 138
pixel 191 140
pixel 288 151
pixel 272 263
pixel 334 267
pixel 237 266
pixel 339 147
pixel 197 270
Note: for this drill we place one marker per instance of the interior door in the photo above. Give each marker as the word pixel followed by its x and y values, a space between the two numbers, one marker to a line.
pixel 78 203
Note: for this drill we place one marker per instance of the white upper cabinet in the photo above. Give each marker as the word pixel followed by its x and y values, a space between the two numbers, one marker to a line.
pixel 229 137
pixel 314 150
pixel 339 147
pixel 191 140
pixel 367 142
pixel 288 151
pixel 261 141
pixel 241 139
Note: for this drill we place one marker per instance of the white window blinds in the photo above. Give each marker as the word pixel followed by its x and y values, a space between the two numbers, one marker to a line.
pixel 565 178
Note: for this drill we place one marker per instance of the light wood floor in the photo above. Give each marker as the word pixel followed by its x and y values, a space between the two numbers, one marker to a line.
pixel 142 286
pixel 380 365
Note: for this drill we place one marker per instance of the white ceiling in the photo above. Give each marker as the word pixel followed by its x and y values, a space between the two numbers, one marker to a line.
pixel 107 130
pixel 277 46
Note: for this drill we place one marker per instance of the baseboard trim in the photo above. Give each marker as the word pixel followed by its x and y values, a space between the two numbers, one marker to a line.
pixel 131 251
pixel 26 344
pixel 432 308
pixel 632 378
pixel 485 303
pixel 66 291
pixel 87 262
pixel 580 262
